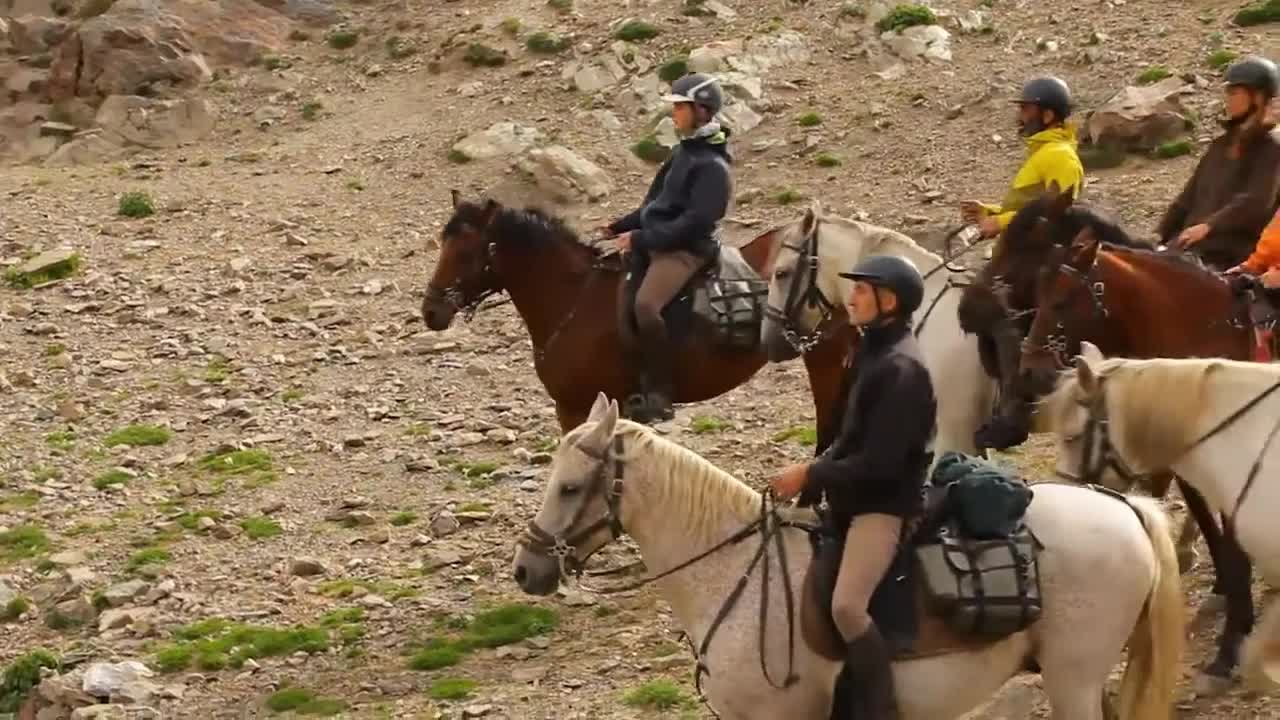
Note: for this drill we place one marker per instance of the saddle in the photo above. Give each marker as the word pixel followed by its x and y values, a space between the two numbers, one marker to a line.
pixel 965 577
pixel 1260 306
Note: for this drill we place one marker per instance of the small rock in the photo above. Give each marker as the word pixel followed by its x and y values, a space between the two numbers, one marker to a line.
pixel 444 524
pixel 306 567
pixel 123 593
pixel 475 711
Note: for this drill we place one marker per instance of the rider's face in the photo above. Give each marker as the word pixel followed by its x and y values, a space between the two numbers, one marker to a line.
pixel 862 306
pixel 1239 101
pixel 1030 116
pixel 683 116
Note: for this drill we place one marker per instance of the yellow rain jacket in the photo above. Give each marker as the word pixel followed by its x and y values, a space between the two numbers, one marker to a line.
pixel 1051 157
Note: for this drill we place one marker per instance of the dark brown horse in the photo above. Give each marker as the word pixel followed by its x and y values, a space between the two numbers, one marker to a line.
pixel 567 293
pixel 1136 302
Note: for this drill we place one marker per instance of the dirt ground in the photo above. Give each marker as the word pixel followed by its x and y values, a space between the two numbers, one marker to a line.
pixel 270 307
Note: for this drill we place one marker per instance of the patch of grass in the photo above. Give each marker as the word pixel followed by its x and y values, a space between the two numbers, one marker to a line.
pixel 637 31
pixel 809 119
pixel 382 588
pixel 804 435
pixel 65 268
pixel 343 39
pixel 275 62
pixel 311 110
pixel 237 462
pixel 902 17
pixel 54 349
pixel 451 688
pixel 217 643
pixel 1257 13
pixel 291 396
pixel 1153 74
pixel 23 542
pixel 303 702
pixel 418 429
pixel 14 609
pixel 258 528
pixel 22 675
pixel 191 520
pixel 20 501
pixel 704 424
pixel 650 150
pixel 852 10
pixel 657 695
pixel 481 55
pixel 474 470
pixel 826 160
pixel 111 477
pixel 147 558
pixel 511 26
pixel 61 439
pixel 1101 157
pixel 473 506
pixel 560 5
pixel 299 35
pixel 788 196
pixel 138 436
pixel 695 8
pixel 458 157
pixel 399 48
pixel 1173 149
pixel 217 370
pixel 404 517
pixel 136 204
pixel 673 69
pixel 355 184
pixel 501 625
pixel 546 43
pixel 94 8
pixel 1220 58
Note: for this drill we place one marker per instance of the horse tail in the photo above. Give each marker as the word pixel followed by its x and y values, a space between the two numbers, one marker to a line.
pixel 1156 644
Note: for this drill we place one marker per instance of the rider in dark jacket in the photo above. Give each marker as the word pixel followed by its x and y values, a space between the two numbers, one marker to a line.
pixel 873 475
pixel 674 234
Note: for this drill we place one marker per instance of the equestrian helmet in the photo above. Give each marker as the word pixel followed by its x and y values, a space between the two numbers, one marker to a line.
pixel 893 273
pixel 1049 92
pixel 1255 72
pixel 699 89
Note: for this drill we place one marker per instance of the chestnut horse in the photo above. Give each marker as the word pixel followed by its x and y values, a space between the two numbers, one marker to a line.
pixel 566 292
pixel 1136 302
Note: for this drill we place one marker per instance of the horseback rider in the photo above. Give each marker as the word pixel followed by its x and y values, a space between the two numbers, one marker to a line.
pixel 671 236
pixel 1043 109
pixel 988 308
pixel 873 475
pixel 1262 268
pixel 1235 188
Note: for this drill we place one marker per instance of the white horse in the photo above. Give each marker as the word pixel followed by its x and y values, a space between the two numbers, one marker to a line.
pixel 1107 573
pixel 806 296
pixel 1212 421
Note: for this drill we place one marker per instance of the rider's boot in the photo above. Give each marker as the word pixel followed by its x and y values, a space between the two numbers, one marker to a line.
pixel 869 664
pixel 1263 345
pixel 658 370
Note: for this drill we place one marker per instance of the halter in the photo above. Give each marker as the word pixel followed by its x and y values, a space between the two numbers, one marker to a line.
pixel 563 546
pixel 1057 344
pixel 812 298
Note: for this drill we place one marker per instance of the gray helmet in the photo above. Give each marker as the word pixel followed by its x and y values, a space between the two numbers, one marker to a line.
pixel 699 89
pixel 1048 92
pixel 1255 72
pixel 894 273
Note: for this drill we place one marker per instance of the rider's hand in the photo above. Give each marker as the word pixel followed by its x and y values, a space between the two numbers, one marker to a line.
pixel 605 231
pixel 790 482
pixel 1193 235
pixel 989 226
pixel 970 211
pixel 1271 278
pixel 1233 270
pixel 623 241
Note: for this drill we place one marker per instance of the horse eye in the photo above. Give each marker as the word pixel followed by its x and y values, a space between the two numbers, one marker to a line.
pixel 568 490
pixel 781 273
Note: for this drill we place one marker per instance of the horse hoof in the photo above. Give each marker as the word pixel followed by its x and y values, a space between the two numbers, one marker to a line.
pixel 1209 686
pixel 1187 560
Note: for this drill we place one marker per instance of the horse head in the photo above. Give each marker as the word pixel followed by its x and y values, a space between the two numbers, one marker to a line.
pixel 464 273
pixel 1067 306
pixel 579 513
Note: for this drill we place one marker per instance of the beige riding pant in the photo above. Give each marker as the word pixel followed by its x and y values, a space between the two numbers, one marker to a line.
pixel 869 548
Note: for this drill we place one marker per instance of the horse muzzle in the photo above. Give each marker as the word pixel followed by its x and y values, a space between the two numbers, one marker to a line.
pixel 437 311
pixel 776 346
pixel 536 573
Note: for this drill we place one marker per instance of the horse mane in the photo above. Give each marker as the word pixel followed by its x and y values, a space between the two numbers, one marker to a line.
pixel 1159 425
pixel 531 224
pixel 880 236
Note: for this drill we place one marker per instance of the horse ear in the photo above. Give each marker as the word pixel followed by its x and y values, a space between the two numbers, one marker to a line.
pixel 605 425
pixel 599 407
pixel 456 197
pixel 1090 352
pixel 1085 374
pixel 488 212
pixel 1084 248
pixel 1060 200
pixel 809 225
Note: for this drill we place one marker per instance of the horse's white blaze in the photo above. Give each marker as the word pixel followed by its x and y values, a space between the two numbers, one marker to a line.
pixel 964 391
pixel 1099 572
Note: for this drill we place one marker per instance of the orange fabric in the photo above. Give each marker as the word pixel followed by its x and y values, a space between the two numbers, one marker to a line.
pixel 1267 253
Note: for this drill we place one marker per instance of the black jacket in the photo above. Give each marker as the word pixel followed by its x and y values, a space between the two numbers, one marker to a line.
pixel 879 460
pixel 686 200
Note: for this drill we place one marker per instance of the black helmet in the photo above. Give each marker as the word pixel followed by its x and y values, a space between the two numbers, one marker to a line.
pixel 1255 72
pixel 699 89
pixel 1048 92
pixel 894 273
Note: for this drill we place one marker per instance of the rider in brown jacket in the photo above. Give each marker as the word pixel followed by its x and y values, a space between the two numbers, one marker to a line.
pixel 1235 189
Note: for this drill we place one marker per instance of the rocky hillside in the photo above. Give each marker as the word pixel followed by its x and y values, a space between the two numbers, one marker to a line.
pixel 239 477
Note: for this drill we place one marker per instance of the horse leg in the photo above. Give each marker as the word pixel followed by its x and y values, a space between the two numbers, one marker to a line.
pixel 1186 546
pixel 1233 571
pixel 1261 652
pixel 570 418
pixel 1198 510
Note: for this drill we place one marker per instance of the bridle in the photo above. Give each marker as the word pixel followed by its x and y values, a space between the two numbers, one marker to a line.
pixel 607 480
pixel 812 297
pixel 1057 344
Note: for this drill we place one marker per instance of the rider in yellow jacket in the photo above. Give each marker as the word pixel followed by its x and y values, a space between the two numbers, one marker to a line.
pixel 1043 108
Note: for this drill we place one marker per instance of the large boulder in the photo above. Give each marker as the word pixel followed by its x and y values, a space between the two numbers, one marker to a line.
pixel 564 174
pixel 1141 117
